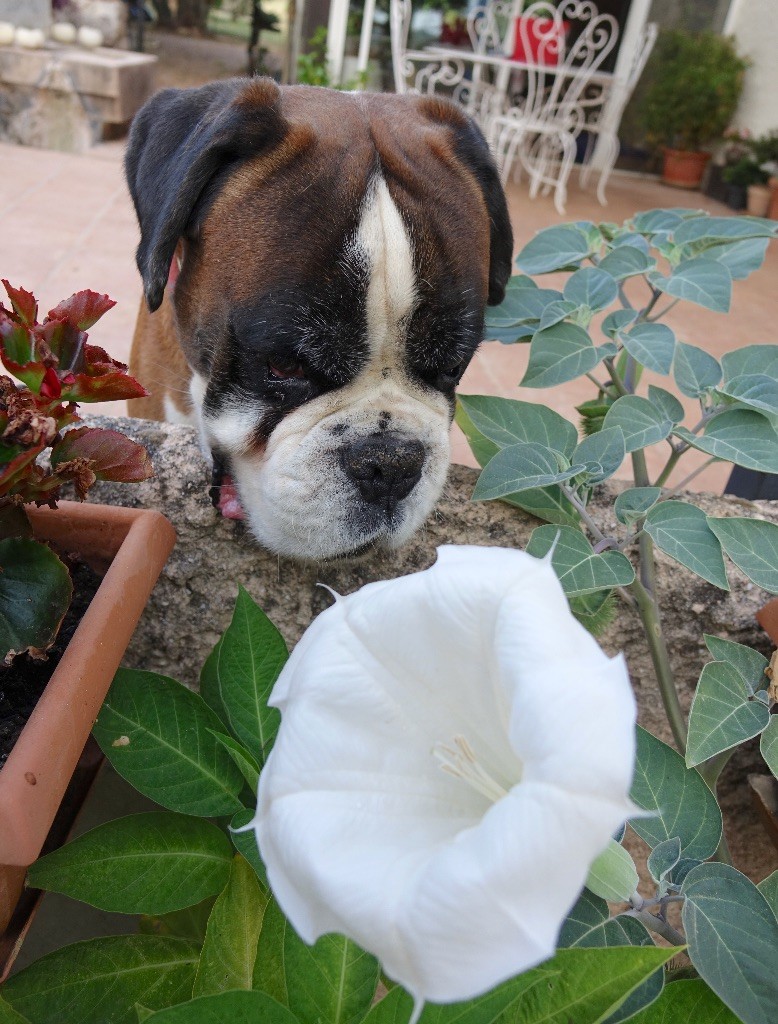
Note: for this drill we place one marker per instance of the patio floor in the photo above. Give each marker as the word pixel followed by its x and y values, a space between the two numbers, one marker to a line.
pixel 68 223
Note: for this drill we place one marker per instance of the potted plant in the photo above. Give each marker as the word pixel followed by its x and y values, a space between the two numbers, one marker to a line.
pixel 55 368
pixel 747 186
pixel 694 84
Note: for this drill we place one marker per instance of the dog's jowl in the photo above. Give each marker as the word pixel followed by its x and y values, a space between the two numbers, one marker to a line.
pixel 316 266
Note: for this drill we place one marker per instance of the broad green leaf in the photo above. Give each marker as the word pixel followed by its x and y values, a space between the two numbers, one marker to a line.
pixel 159 736
pixel 641 422
pixel 100 981
pixel 686 1001
pixel 769 746
pixel 752 544
pixel 230 948
pixel 663 858
pixel 633 504
pixel 613 874
pixel 189 923
pixel 652 345
pixel 702 281
pixel 650 221
pixel 555 312
pixel 751 359
pixel 591 287
pixel 681 530
pixel 246 843
pixel 333 980
pixel 579 569
pixel 506 421
pixel 240 674
pixel 553 249
pixel 482 448
pixel 521 467
pixel 587 917
pixel 740 258
pixel 626 261
pixel 668 404
pixel 769 889
pixel 740 436
pixel 733 940
pixel 559 354
pixel 227 1008
pixel 247 766
pixel 631 238
pixel 9 1016
pixel 748 663
pixel 723 713
pixel 722 229
pixel 547 503
pixel 519 307
pixel 695 370
pixel 618 320
pixel 149 863
pixel 681 803
pixel 756 390
pixel 35 591
pixel 601 453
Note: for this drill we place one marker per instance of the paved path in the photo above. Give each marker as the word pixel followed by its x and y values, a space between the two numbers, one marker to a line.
pixel 68 223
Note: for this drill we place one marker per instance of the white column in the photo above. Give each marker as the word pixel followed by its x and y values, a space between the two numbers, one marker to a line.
pixel 336 39
pixel 368 17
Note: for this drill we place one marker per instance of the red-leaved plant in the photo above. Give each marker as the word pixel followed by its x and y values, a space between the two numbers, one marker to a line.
pixel 57 368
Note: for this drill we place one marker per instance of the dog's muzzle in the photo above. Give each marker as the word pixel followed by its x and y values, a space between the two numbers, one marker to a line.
pixel 385 467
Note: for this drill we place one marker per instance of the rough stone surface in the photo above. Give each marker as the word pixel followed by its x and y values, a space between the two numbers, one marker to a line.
pixel 109 16
pixel 192 602
pixel 27 13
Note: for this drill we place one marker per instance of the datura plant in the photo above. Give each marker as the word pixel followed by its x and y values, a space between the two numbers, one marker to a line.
pixel 421 814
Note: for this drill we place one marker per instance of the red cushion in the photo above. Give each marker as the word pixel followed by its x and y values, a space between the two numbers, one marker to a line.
pixel 546 41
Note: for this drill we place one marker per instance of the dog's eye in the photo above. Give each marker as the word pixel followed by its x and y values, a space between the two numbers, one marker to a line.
pixel 286 370
pixel 454 372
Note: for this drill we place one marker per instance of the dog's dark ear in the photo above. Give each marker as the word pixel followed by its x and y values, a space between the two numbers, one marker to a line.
pixel 471 148
pixel 179 140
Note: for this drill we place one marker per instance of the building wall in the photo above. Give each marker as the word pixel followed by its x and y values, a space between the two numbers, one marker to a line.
pixel 754 24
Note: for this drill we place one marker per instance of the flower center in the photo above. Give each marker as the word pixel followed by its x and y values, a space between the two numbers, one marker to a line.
pixel 460 760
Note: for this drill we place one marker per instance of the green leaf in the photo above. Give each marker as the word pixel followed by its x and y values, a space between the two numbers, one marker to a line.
pixel 555 312
pixel 246 843
pixel 769 746
pixel 588 916
pixel 681 530
pixel 227 1008
pixel 641 422
pixel 663 858
pixel 9 1016
pixel 751 359
pixel 740 436
pixel 559 354
pixel 189 923
pixel 506 421
pixel 702 281
pixel 740 258
pixel 149 863
pixel 601 453
pixel 684 1000
pixel 722 229
pixel 681 803
pixel 618 320
pixel 230 948
pixel 595 611
pixel 668 404
pixel 633 503
pixel 521 467
pixel 723 713
pixel 769 888
pixel 651 221
pixel 748 663
pixel 35 592
pixel 333 980
pixel 482 448
pixel 752 544
pixel 591 287
pixel 652 345
pixel 159 736
pixel 579 569
pixel 248 767
pixel 626 261
pixel 756 390
pixel 733 940
pixel 695 370
pixel 100 981
pixel 613 874
pixel 553 249
pixel 547 503
pixel 240 674
pixel 522 305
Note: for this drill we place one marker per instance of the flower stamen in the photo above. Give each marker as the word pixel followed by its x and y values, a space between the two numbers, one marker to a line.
pixel 462 763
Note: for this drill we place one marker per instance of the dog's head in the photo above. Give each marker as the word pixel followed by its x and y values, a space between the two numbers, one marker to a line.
pixel 337 251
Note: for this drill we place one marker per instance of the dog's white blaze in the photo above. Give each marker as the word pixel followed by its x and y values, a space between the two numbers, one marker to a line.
pixel 175 415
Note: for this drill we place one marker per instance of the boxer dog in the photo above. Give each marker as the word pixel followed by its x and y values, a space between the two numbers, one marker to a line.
pixel 316 266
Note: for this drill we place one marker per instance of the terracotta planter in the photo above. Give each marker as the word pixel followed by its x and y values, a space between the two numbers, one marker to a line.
pixel 684 169
pixel 133 546
pixel 772 212
pixel 758 200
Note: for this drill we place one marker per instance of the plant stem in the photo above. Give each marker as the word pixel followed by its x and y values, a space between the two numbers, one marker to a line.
pixel 662 312
pixel 710 771
pixel 580 508
pixel 687 479
pixel 669 467
pixel 656 924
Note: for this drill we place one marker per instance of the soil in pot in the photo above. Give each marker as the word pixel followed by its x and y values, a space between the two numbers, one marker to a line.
pixel 23 682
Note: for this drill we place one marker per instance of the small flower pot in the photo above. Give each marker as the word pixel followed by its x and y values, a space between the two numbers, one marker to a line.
pixel 772 212
pixel 684 169
pixel 736 197
pixel 131 546
pixel 758 202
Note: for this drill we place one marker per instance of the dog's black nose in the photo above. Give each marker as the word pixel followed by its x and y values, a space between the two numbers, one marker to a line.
pixel 385 467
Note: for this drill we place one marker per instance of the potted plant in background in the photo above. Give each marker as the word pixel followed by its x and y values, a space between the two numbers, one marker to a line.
pixel 747 186
pixel 694 84
pixel 55 368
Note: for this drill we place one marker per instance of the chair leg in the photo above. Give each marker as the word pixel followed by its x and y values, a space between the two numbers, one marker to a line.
pixel 608 164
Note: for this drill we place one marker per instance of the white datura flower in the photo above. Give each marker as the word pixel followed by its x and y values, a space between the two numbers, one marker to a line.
pixel 455 751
